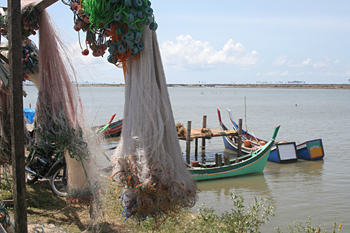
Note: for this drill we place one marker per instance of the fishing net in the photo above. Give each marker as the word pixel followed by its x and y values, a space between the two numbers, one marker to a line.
pixel 148 161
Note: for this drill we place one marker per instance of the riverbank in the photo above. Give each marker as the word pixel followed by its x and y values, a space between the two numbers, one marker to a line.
pixel 289 86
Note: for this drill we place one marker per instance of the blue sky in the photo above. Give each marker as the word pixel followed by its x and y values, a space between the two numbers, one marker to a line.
pixel 232 41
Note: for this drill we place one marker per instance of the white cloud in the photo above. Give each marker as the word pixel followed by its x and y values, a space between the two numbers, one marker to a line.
pixel 285 73
pixel 280 61
pixel 187 53
pixel 307 62
pixel 272 73
pixel 323 63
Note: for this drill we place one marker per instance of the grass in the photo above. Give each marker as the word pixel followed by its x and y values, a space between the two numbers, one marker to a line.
pixel 44 207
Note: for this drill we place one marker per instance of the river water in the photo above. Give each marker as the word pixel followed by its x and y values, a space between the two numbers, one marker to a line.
pixel 319 189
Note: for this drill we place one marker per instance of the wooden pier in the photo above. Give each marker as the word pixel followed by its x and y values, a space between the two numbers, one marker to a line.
pixel 203 133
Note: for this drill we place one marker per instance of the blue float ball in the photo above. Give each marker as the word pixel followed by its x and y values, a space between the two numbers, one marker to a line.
pixel 122 49
pixel 149 11
pixel 137 3
pixel 153 26
pixel 118 16
pixel 110 59
pixel 140 46
pixel 127 2
pixel 138 36
pixel 133 11
pixel 148 20
pixel 131 18
pixel 129 35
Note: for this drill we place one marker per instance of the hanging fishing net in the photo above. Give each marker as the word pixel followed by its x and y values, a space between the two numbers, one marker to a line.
pixel 58 114
pixel 148 161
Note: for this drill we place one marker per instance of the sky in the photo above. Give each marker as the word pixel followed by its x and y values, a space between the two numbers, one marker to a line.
pixel 231 41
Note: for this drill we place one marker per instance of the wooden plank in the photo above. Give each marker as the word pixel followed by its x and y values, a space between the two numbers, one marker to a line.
pixel 16 116
pixel 41 5
pixel 197 133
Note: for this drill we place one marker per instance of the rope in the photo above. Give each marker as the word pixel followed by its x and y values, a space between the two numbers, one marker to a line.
pixel 155 195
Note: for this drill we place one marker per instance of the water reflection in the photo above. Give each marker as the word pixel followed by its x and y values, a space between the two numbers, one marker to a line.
pixel 216 193
pixel 280 170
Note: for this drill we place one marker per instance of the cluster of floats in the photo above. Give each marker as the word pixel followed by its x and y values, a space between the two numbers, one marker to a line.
pixel 255 151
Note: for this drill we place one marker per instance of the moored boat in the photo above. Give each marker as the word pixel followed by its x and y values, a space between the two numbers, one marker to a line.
pixel 311 150
pixel 284 152
pixel 254 162
pixel 231 143
pixel 112 129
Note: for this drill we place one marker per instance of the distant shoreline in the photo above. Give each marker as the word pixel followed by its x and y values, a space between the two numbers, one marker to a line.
pixel 287 86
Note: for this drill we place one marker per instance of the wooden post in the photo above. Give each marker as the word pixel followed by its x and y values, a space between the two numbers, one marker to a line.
pixel 227 160
pixel 188 142
pixel 239 141
pixel 16 116
pixel 204 126
pixel 218 160
pixel 196 149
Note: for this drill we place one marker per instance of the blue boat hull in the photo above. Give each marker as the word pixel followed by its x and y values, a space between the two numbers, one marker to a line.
pixel 311 150
pixel 284 153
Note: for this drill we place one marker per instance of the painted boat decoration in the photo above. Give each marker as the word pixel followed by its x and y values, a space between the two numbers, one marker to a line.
pixel 311 150
pixel 253 162
pixel 112 129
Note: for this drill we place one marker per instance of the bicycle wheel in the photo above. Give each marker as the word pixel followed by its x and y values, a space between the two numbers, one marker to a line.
pixel 59 181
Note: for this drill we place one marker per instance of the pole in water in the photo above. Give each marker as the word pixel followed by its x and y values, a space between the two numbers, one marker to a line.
pixel 245 114
pixel 188 142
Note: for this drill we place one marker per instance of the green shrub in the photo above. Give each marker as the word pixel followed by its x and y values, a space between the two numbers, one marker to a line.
pixel 300 228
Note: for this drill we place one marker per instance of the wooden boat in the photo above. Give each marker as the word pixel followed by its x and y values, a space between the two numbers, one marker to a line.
pixel 253 162
pixel 231 143
pixel 112 129
pixel 311 150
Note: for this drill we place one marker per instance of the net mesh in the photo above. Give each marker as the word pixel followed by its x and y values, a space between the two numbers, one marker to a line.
pixel 148 160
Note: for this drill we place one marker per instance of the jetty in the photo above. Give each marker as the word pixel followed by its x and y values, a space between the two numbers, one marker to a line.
pixel 203 133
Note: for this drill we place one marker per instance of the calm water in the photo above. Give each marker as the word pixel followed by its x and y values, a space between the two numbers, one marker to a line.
pixel 319 189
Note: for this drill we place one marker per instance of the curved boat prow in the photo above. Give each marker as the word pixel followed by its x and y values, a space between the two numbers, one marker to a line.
pixel 275 132
pixel 219 115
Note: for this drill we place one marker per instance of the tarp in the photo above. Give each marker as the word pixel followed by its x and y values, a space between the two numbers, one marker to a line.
pixel 29 114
